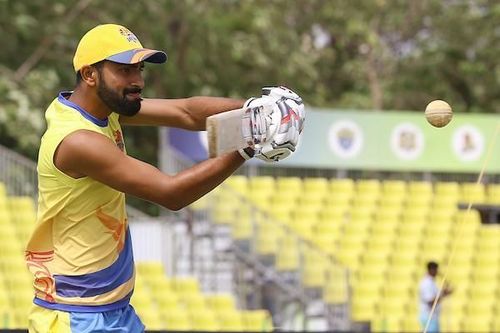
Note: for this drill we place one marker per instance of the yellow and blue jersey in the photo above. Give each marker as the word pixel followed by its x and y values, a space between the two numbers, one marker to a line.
pixel 80 252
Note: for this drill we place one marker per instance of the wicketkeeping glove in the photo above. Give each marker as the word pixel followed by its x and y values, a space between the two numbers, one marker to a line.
pixel 257 124
pixel 289 127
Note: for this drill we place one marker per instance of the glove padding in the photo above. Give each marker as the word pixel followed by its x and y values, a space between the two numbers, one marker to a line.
pixel 289 128
pixel 283 92
pixel 258 123
pixel 275 132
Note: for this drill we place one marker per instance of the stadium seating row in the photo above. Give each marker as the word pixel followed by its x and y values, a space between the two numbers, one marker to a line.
pixel 383 231
pixel 162 302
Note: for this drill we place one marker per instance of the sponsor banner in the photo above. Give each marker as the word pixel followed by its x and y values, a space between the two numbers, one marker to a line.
pixel 375 140
pixel 396 141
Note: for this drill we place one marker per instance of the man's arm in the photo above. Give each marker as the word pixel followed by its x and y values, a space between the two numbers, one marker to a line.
pixel 86 153
pixel 188 113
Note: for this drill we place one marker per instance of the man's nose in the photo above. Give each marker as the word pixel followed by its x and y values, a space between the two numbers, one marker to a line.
pixel 138 79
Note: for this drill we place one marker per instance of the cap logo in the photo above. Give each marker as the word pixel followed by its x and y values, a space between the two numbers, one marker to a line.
pixel 129 35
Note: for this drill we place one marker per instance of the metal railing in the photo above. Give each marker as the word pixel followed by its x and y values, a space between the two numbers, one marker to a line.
pixel 18 173
pixel 245 255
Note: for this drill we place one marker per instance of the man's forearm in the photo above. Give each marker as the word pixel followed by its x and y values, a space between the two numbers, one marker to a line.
pixel 188 113
pixel 200 108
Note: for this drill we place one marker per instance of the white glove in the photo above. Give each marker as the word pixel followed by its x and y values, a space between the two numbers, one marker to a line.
pixel 283 92
pixel 257 123
pixel 291 124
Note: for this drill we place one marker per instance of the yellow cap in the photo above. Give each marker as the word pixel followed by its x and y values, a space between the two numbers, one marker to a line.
pixel 115 43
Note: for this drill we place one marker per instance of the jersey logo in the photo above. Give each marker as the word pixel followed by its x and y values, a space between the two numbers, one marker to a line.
pixel 119 140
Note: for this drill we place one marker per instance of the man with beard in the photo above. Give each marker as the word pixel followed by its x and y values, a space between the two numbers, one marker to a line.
pixel 80 252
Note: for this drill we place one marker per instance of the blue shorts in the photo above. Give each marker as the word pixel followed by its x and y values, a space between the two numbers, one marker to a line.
pixel 42 320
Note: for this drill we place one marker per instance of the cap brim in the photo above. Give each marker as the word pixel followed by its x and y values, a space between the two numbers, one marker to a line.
pixel 138 55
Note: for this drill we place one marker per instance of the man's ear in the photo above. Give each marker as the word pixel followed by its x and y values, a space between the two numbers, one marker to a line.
pixel 89 75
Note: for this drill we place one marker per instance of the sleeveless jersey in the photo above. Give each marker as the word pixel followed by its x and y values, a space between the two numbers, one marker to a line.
pixel 80 252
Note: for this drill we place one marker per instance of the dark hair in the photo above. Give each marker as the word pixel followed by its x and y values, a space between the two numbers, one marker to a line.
pixel 97 65
pixel 432 265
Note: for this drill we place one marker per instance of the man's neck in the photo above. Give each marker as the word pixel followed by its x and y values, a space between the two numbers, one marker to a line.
pixel 89 103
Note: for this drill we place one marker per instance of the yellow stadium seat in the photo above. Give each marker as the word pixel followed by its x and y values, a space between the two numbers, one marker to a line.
pixel 315 184
pixel 477 324
pixel 388 324
pixel 336 288
pixel 286 201
pixel 368 186
pixel 176 320
pixel 472 193
pixel 486 274
pixel 363 309
pixel 256 321
pixel 411 323
pixel 268 235
pixel 345 185
pixel 237 183
pixel 242 228
pixel 490 239
pixel 403 258
pixel 261 198
pixel 452 323
pixel 312 199
pixel 495 325
pixel 493 194
pixel 313 275
pixel 307 214
pixel 329 230
pixel 333 214
pixel 384 228
pixel 367 201
pixel 221 302
pixel 484 257
pixel 229 320
pixel 141 301
pixel 420 188
pixel 470 217
pixel 367 291
pixel 325 242
pixel 458 278
pixel 350 257
pixel 437 230
pixel 167 301
pixel 150 268
pixel 340 200
pixel 413 229
pixel 185 285
pixel 193 301
pixel 391 202
pixel 445 203
pixel 485 291
pixel 289 185
pixel 383 243
pixel 151 319
pixel 446 188
pixel 288 257
pixel 391 186
pixel 203 320
pixel 392 308
pixel 262 182
pixel 378 258
pixel 225 213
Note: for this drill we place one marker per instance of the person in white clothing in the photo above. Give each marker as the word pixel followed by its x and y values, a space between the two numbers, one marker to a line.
pixel 428 292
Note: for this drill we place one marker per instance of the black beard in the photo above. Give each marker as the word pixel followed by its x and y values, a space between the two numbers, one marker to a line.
pixel 119 103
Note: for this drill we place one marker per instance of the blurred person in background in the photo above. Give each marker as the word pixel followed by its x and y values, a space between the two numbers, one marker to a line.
pixel 80 251
pixel 428 292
